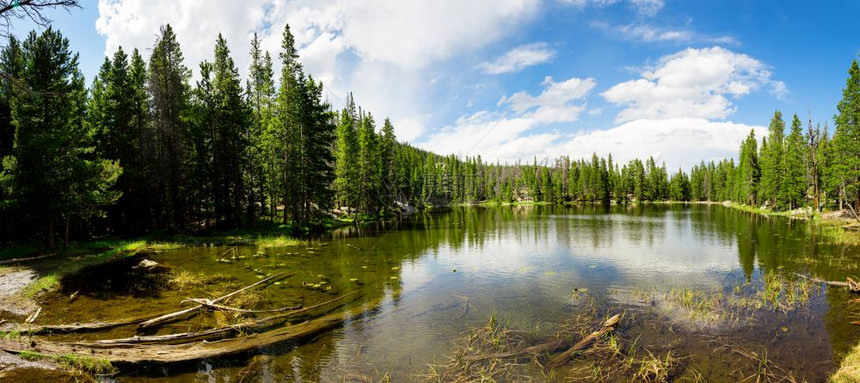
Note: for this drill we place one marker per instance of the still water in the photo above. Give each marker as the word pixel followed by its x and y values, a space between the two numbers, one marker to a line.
pixel 440 274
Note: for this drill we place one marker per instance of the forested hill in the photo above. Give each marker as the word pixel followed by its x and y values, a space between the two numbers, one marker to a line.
pixel 144 149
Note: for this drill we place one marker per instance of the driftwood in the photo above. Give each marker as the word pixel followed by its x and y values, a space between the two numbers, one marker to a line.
pixel 22 260
pixel 251 325
pixel 586 342
pixel 542 348
pixel 551 346
pixel 214 306
pixel 85 327
pixel 851 284
pixel 131 354
pixel 32 318
pixel 232 249
pixel 181 313
pixel 854 212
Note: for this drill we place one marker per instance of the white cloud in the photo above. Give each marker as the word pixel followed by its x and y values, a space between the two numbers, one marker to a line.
pixel 692 83
pixel 667 140
pixel 502 135
pixel 649 33
pixel 519 58
pixel 362 46
pixel 554 104
pixel 642 7
pixel 648 7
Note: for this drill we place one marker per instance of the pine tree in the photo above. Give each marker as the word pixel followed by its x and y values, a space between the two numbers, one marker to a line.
pixel 368 165
pixel 347 173
pixel 284 133
pixel 260 93
pixel 114 115
pixel 387 146
pixel 56 174
pixel 748 172
pixel 319 138
pixel 772 162
pixel 230 142
pixel 168 90
pixel 845 155
pixel 202 135
pixel 814 160
pixel 11 64
pixel 793 189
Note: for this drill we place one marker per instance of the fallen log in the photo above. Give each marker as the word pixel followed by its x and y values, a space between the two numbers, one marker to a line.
pixel 131 354
pixel 84 327
pixel 181 313
pixel 23 260
pixel 851 284
pixel 252 325
pixel 539 349
pixel 214 306
pixel 586 342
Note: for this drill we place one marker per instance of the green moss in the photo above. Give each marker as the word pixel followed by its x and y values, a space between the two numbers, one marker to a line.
pixel 73 362
pixel 87 364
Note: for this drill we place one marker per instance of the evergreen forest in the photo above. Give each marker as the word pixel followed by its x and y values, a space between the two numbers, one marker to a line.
pixel 140 148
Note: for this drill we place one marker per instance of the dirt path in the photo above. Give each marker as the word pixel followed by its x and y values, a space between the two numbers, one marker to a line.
pixel 11 285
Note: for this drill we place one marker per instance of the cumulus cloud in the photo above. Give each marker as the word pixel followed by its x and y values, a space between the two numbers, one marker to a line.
pixel 519 58
pixel 351 45
pixel 554 103
pixel 692 83
pixel 667 140
pixel 504 135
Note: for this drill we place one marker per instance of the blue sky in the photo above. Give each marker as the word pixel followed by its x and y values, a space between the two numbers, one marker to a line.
pixel 524 79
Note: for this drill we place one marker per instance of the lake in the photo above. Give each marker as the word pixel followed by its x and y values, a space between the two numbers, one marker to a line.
pixel 715 288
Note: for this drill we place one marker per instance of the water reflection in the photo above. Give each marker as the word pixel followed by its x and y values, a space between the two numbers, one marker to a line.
pixel 443 272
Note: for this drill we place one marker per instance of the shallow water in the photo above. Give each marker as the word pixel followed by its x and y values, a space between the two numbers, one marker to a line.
pixel 443 273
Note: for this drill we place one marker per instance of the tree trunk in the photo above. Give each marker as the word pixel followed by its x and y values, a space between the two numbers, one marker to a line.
pixel 51 234
pixel 66 238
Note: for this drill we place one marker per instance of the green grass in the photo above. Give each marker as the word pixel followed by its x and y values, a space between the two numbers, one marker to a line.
pixel 85 363
pixel 10 335
pixel 73 362
pixel 849 369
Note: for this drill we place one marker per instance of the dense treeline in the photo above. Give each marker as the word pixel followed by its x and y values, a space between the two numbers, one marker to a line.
pixel 144 149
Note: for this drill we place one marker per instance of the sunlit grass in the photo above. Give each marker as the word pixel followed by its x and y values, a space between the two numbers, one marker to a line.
pixel 849 369
pixel 44 283
pixel 184 279
pixel 73 362
pixel 279 241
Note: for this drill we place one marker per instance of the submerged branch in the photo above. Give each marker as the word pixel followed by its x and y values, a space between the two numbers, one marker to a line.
pixel 181 313
pixel 586 342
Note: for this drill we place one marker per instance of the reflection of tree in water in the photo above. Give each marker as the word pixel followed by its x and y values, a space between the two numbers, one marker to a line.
pixel 763 244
